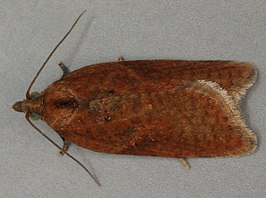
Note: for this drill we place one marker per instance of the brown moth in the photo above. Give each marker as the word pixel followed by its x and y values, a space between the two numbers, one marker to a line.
pixel 166 108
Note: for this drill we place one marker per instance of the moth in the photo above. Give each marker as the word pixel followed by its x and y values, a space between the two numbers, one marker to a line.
pixel 166 108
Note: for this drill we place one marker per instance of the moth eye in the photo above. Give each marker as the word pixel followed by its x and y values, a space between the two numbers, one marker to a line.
pixel 34 116
pixel 34 94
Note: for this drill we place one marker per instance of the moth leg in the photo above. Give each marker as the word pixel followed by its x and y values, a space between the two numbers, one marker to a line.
pixel 120 59
pixel 185 163
pixel 65 147
pixel 63 67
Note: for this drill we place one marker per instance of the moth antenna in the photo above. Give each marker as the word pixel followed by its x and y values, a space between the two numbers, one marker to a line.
pixel 56 145
pixel 47 59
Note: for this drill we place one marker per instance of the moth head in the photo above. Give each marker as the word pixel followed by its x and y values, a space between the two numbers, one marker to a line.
pixel 18 106
pixel 28 106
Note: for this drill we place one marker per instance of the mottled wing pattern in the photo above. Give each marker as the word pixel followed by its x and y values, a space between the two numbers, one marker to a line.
pixel 202 122
pixel 127 77
pixel 156 108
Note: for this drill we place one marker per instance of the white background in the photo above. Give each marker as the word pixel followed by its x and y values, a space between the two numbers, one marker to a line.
pixel 139 29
